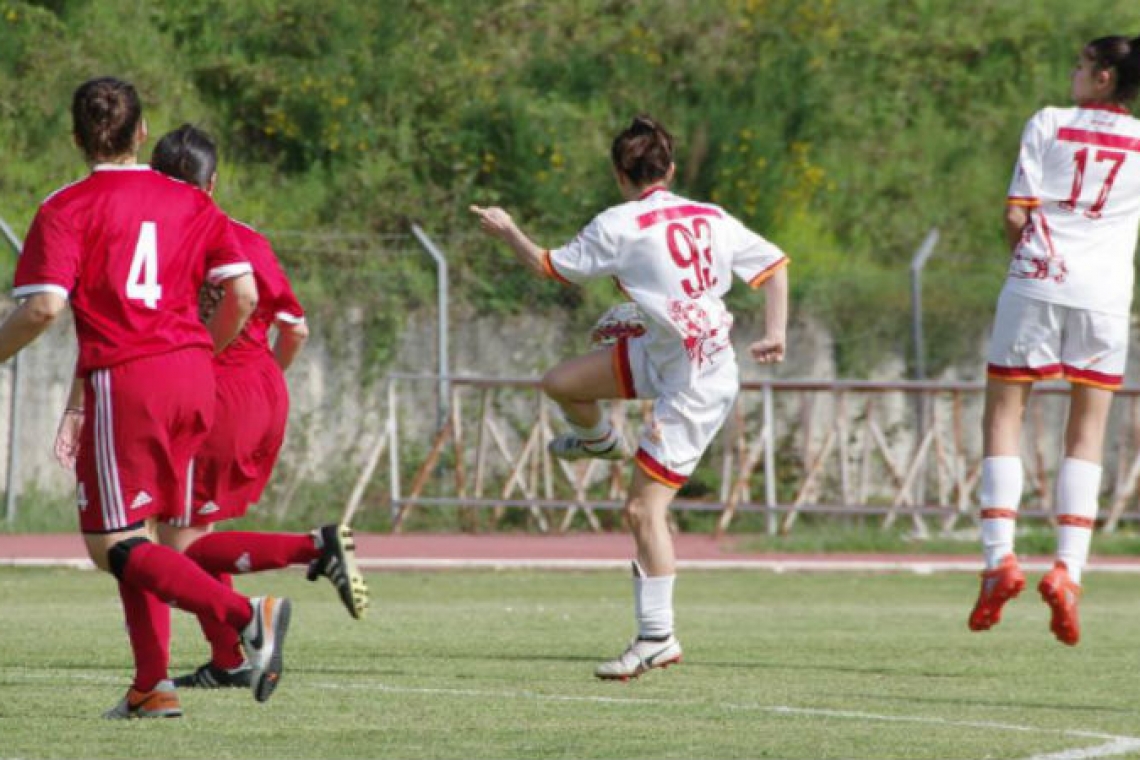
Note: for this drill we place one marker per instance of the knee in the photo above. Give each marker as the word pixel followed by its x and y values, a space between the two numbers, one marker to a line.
pixel 637 514
pixel 557 386
pixel 120 553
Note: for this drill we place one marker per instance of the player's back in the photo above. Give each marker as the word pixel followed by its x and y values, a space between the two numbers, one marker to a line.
pixel 276 299
pixel 131 246
pixel 676 259
pixel 671 246
pixel 1079 172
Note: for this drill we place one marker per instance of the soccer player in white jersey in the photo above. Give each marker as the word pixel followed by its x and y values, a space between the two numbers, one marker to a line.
pixel 675 259
pixel 1071 221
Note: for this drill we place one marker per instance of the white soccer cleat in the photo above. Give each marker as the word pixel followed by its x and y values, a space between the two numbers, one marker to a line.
pixel 263 641
pixel 641 655
pixel 570 447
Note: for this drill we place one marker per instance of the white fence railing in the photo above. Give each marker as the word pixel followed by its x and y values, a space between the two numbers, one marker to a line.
pixel 901 451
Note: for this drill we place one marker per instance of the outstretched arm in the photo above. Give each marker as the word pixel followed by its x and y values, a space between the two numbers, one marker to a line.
pixel 770 348
pixel 498 223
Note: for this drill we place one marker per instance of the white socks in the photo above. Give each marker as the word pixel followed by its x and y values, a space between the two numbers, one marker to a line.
pixel 653 603
pixel 1002 482
pixel 1078 489
pixel 600 437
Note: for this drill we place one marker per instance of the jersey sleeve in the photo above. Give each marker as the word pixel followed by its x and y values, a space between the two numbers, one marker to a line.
pixel 225 258
pixel 1025 187
pixel 754 259
pixel 286 307
pixel 51 257
pixel 590 254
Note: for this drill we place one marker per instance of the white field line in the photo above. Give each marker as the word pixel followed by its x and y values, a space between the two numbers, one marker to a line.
pixel 1120 746
pixel 1114 746
pixel 806 564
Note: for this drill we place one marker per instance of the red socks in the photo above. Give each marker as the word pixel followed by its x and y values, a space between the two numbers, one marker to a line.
pixel 225 644
pixel 148 628
pixel 240 552
pixel 176 578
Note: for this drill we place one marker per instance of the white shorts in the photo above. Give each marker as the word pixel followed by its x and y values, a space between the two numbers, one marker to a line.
pixel 1037 340
pixel 683 422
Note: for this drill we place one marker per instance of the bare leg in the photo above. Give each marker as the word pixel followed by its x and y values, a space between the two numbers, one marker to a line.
pixel 1079 475
pixel 1088 420
pixel 179 538
pixel 647 510
pixel 578 384
pixel 1001 420
pixel 1000 495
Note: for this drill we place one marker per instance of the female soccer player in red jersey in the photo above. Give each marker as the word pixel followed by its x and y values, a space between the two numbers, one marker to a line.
pixel 1071 220
pixel 129 248
pixel 234 463
pixel 675 259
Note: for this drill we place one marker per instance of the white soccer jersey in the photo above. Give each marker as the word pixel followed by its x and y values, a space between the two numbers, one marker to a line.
pixel 675 258
pixel 1078 173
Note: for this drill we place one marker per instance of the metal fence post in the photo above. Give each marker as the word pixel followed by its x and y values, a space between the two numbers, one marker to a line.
pixel 769 434
pixel 441 275
pixel 13 417
pixel 393 453
pixel 921 256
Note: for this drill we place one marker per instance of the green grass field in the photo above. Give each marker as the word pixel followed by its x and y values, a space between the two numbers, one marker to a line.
pixel 498 665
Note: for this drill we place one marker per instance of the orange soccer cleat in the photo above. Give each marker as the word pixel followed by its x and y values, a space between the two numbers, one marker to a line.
pixel 999 585
pixel 1062 595
pixel 160 702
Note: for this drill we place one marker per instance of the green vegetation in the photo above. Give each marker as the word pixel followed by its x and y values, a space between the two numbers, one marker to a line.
pixel 498 665
pixel 841 129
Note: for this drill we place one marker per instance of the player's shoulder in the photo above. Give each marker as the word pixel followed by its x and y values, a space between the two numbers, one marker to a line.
pixel 247 233
pixel 61 196
pixel 1050 116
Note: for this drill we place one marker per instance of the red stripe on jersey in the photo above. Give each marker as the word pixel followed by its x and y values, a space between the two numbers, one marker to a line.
pixel 1101 139
pixel 1095 379
pixel 675 212
pixel 658 471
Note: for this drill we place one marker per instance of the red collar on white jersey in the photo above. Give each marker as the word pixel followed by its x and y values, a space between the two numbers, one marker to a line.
pixel 1114 107
pixel 651 190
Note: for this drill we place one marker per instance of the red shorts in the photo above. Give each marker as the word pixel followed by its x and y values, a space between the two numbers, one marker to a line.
pixel 143 421
pixel 235 461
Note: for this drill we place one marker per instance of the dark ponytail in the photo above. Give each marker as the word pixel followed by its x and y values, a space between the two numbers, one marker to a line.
pixel 643 152
pixel 105 115
pixel 1123 56
pixel 188 154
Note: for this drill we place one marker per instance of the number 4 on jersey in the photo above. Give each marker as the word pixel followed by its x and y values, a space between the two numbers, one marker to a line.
pixel 142 280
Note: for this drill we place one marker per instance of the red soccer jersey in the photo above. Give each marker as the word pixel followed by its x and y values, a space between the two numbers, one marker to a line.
pixel 129 247
pixel 275 299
